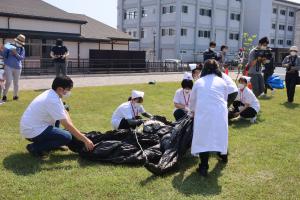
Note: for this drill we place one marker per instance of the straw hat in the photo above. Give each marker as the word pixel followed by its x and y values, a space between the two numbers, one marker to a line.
pixel 20 39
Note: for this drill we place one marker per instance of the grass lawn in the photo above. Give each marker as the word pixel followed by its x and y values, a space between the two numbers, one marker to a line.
pixel 264 160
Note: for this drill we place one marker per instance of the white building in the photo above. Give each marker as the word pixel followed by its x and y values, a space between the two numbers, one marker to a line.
pixel 181 29
pixel 43 23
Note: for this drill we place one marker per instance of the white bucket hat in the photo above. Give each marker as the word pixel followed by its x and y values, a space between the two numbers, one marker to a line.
pixel 294 48
pixel 137 94
pixel 192 66
pixel 187 76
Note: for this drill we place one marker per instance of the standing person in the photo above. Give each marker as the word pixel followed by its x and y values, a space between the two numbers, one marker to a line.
pixel 59 54
pixel 222 57
pixel 209 105
pixel 210 53
pixel 13 57
pixel 292 65
pixel 182 97
pixel 127 115
pixel 255 63
pixel 38 121
pixel 246 104
pixel 268 72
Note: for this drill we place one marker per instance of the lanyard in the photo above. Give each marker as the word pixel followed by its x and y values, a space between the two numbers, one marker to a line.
pixel 242 94
pixel 135 114
pixel 186 101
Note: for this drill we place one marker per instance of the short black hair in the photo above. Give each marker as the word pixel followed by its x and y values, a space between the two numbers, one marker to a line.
pixel 224 47
pixel 59 42
pixel 63 82
pixel 212 43
pixel 187 84
pixel 264 40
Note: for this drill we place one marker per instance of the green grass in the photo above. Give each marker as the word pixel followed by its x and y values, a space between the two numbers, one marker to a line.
pixel 264 158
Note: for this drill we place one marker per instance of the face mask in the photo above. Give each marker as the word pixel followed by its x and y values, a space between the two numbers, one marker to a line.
pixel 268 61
pixel 212 49
pixel 263 47
pixel 293 53
pixel 241 86
pixel 186 91
pixel 67 94
pixel 137 104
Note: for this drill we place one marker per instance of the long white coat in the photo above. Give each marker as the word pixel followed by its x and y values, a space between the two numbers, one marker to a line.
pixel 209 103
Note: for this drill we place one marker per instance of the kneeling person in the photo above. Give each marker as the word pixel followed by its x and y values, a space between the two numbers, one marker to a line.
pixel 246 104
pixel 127 115
pixel 38 121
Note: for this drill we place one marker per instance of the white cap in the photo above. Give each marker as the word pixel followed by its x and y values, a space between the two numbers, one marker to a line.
pixel 192 66
pixel 137 94
pixel 294 48
pixel 248 79
pixel 187 76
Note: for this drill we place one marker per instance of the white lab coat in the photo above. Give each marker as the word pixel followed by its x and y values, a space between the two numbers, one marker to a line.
pixel 209 103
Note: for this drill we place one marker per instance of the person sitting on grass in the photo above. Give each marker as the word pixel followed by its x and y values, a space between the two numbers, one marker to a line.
pixel 127 115
pixel 38 121
pixel 246 104
pixel 182 97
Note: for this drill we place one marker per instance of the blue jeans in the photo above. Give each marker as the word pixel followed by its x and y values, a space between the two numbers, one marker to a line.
pixel 50 139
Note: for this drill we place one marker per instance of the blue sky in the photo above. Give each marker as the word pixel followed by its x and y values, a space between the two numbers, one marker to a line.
pixel 102 10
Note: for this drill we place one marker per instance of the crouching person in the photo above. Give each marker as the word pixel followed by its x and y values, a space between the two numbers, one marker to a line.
pixel 246 104
pixel 38 121
pixel 127 115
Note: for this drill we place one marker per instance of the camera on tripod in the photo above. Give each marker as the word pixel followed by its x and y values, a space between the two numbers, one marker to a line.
pixel 267 54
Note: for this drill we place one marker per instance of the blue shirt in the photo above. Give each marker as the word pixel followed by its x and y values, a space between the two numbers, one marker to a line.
pixel 13 61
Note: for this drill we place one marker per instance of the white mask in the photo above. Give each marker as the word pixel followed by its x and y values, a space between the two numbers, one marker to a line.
pixel 186 91
pixel 137 104
pixel 212 49
pixel 67 94
pixel 263 47
pixel 293 53
pixel 241 86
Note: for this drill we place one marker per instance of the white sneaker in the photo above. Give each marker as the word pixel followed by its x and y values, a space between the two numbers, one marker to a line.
pixel 263 95
pixel 1 102
pixel 253 120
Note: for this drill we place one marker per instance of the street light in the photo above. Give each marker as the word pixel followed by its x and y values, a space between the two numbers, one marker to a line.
pixel 154 51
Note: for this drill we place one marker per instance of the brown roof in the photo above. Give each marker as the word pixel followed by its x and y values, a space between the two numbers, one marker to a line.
pixel 94 29
pixel 36 9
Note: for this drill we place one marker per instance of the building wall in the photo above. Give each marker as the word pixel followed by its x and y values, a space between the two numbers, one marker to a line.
pixel 297 30
pixel 176 45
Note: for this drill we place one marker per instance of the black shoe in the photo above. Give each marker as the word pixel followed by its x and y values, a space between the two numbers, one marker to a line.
pixel 42 155
pixel 203 170
pixel 15 98
pixel 4 98
pixel 223 158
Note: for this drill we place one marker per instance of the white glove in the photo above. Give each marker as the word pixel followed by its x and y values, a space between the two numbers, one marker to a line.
pixel 187 109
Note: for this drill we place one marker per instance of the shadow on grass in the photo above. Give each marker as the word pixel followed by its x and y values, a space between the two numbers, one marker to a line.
pixel 244 123
pixel 290 105
pixel 194 184
pixel 23 164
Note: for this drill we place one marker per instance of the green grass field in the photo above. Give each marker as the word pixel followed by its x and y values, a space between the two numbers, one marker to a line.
pixel 264 160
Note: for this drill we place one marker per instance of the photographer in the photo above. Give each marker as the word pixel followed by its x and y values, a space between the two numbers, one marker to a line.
pixel 259 56
pixel 59 54
pixel 292 65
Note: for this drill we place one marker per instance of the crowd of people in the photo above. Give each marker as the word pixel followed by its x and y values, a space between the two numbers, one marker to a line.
pixel 207 94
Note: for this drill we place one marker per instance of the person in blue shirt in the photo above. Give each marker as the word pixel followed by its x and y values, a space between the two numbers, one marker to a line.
pixel 13 55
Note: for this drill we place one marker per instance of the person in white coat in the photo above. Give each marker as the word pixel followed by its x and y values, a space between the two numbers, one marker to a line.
pixel 246 104
pixel 182 97
pixel 209 105
pixel 127 115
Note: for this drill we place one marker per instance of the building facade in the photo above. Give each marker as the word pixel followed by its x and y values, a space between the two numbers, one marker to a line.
pixel 181 29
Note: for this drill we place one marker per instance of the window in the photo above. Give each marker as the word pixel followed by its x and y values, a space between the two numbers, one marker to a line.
pixel 164 10
pixel 171 32
pixel 281 27
pixel 183 32
pixel 289 42
pixel 205 12
pixel 142 33
pixel 282 12
pixel 234 16
pixel 290 28
pixel 163 32
pixel 291 14
pixel 234 36
pixel 185 9
pixel 144 14
pixel 280 42
pixel 204 34
pixel 130 15
pixel 273 26
pixel 172 9
pixel 274 10
pixel 272 41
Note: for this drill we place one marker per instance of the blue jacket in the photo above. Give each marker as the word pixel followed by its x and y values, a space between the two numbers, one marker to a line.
pixel 13 61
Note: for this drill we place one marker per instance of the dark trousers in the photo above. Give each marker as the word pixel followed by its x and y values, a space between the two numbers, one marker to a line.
pixel 204 156
pixel 124 124
pixel 60 68
pixel 247 113
pixel 179 114
pixel 291 79
pixel 258 84
pixel 267 85
pixel 231 98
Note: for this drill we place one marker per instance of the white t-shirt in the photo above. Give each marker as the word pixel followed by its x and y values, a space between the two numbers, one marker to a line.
pixel 247 97
pixel 231 86
pixel 42 112
pixel 181 97
pixel 126 110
